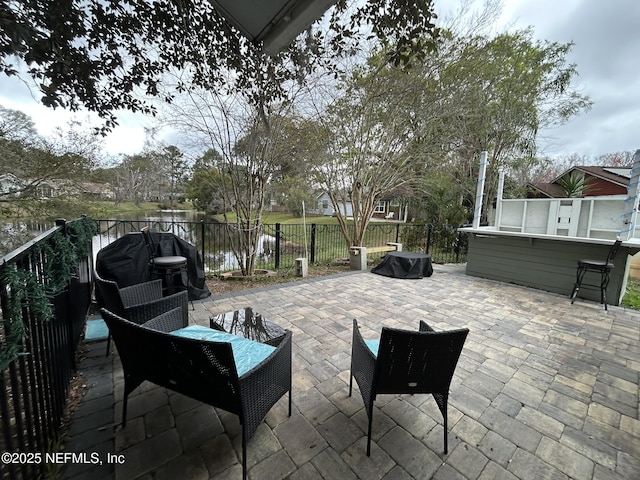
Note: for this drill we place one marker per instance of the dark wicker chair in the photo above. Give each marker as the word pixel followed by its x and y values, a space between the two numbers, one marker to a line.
pixel 138 303
pixel 406 362
pixel 200 369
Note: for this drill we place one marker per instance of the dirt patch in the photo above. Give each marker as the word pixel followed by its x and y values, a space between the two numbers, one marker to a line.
pixel 218 286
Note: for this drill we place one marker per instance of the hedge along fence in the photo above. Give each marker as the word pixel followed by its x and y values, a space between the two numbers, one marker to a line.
pixel 45 293
pixel 280 244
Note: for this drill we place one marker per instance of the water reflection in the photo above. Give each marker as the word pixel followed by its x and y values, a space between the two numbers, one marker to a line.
pixel 210 238
pixel 249 324
pixel 14 234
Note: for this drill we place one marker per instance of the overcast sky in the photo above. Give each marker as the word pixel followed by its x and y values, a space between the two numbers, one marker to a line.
pixel 606 35
pixel 607 45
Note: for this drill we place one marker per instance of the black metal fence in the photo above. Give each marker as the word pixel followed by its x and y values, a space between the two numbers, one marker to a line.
pixel 38 345
pixel 39 335
pixel 281 244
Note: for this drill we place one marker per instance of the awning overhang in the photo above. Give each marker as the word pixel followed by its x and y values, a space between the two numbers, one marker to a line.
pixel 272 23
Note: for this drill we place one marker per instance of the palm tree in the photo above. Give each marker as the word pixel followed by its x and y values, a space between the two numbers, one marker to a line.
pixel 575 185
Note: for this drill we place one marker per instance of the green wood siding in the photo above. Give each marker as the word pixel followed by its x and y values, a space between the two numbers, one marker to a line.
pixel 546 264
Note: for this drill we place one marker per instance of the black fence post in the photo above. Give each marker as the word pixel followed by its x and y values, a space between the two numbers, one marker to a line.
pixel 313 244
pixel 277 266
pixel 397 232
pixel 428 238
pixel 67 328
pixel 202 230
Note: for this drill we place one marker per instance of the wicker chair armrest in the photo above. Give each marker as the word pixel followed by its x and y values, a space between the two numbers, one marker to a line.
pixel 167 322
pixel 142 313
pixel 262 386
pixel 141 293
pixel 424 327
pixel 363 366
pixel 363 354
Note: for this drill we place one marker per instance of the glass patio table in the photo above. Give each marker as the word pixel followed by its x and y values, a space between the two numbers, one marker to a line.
pixel 249 324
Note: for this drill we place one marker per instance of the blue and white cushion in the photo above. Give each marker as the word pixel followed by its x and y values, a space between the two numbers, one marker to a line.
pixel 373 345
pixel 246 353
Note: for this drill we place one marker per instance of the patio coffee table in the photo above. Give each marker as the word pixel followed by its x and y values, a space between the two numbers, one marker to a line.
pixel 248 324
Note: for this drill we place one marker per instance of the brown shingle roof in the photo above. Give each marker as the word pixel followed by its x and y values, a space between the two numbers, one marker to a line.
pixel 601 172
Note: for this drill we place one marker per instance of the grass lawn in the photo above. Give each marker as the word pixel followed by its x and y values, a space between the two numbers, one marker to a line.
pixel 631 297
pixel 286 218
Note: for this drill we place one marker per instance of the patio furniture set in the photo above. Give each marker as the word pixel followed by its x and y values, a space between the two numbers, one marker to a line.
pixel 241 362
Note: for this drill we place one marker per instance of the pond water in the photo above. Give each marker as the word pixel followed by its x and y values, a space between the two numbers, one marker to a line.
pixel 15 233
pixel 216 251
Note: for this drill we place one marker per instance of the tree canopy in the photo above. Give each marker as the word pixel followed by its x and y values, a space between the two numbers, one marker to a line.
pixel 113 55
pixel 38 162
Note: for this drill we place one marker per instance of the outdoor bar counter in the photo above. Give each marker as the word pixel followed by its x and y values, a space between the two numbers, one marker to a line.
pixel 546 262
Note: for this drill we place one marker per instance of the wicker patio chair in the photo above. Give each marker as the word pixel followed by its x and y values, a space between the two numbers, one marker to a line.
pixel 201 369
pixel 138 303
pixel 405 362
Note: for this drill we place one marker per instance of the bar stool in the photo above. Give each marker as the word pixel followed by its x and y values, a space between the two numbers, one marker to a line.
pixel 598 266
pixel 165 267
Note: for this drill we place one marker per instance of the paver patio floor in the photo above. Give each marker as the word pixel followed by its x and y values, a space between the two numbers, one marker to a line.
pixel 543 389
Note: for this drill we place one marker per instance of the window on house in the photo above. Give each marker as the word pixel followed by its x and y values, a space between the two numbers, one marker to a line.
pixel 380 208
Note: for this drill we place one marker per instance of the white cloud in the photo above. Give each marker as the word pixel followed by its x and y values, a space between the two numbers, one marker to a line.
pixel 127 138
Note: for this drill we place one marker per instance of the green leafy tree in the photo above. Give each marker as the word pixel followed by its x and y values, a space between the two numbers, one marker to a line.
pixel 367 150
pixel 204 186
pixel 49 171
pixel 108 55
pixel 493 93
pixel 438 201
pixel 175 170
pixel 293 192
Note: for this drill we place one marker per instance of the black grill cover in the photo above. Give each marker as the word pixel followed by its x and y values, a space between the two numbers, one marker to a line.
pixel 405 265
pixel 126 261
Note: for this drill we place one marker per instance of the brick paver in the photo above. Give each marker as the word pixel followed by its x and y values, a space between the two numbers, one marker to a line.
pixel 543 389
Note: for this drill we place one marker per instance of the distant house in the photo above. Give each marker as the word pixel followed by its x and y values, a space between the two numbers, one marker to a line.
pixel 387 208
pixel 601 181
pixel 10 185
pixel 45 191
pixel 390 208
pixel 97 190
pixel 325 207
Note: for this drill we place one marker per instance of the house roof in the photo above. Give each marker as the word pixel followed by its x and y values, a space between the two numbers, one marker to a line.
pixel 275 23
pixel 616 175
pixel 551 190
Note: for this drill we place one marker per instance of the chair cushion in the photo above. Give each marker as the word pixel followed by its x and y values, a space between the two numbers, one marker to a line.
pixel 246 353
pixel 595 263
pixel 373 345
